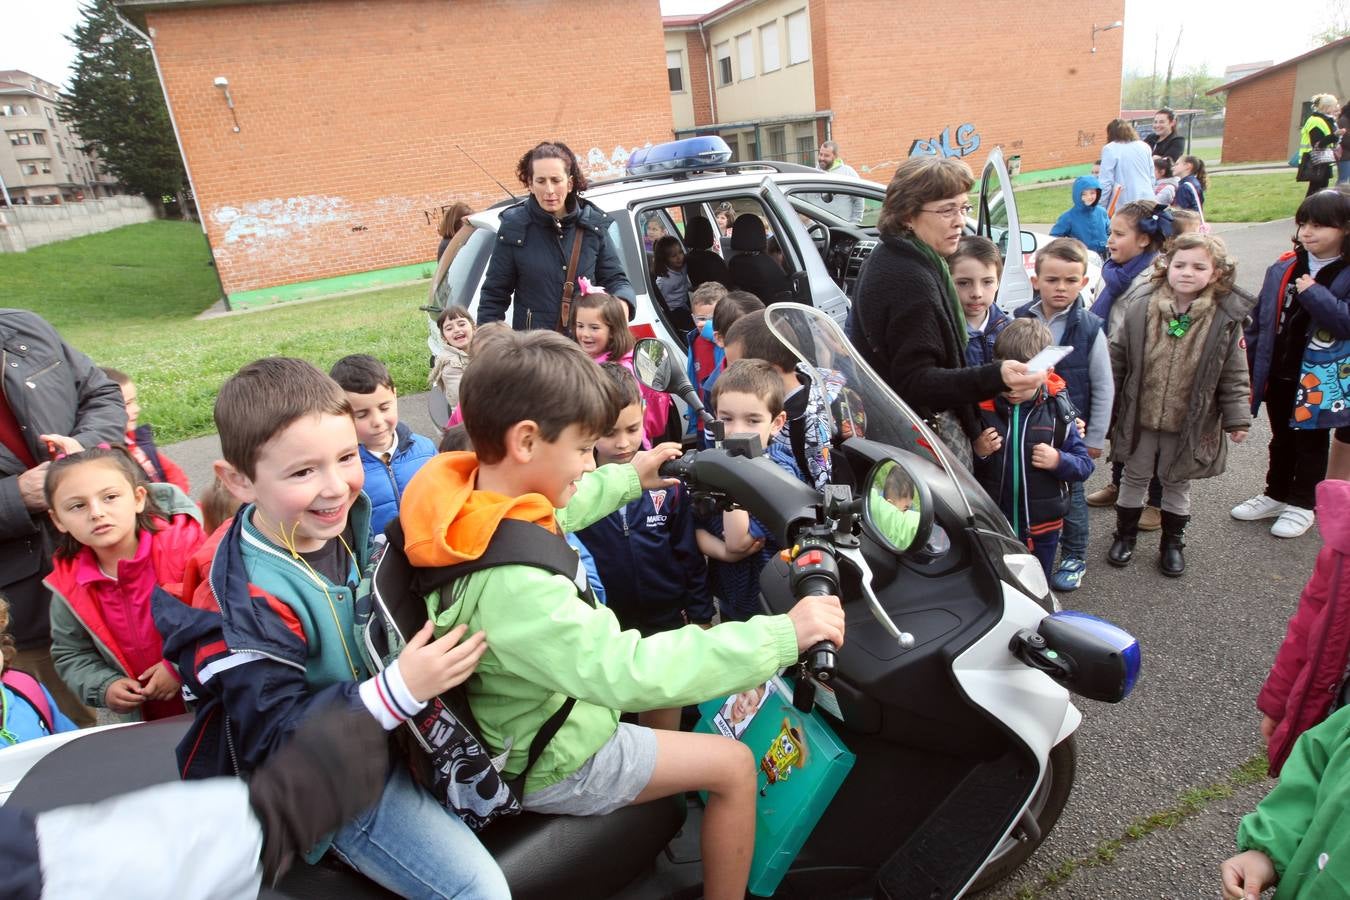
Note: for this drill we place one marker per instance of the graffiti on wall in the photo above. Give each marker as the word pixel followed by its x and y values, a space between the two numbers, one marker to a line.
pixel 262 221
pixel 967 142
pixel 598 165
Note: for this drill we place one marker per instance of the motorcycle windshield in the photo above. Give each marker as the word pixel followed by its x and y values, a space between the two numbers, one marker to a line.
pixel 861 404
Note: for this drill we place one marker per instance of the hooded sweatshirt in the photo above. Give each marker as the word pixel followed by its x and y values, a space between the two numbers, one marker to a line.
pixel 545 643
pixel 1087 222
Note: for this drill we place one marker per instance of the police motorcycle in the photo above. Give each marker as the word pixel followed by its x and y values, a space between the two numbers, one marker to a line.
pixel 952 690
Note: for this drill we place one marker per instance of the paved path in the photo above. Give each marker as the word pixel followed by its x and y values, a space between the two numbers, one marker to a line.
pixel 1208 641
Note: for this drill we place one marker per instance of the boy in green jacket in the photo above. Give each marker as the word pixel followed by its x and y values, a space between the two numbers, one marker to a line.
pixel 1299 836
pixel 534 408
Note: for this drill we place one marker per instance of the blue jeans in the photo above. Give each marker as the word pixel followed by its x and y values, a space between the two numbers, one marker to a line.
pixel 411 845
pixel 1074 540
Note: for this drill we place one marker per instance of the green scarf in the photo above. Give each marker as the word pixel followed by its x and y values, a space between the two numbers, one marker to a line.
pixel 948 287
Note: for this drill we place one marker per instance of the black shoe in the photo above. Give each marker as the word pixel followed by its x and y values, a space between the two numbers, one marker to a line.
pixel 1127 531
pixel 1170 558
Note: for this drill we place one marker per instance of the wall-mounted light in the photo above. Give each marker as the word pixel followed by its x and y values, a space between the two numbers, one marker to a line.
pixel 1095 29
pixel 224 84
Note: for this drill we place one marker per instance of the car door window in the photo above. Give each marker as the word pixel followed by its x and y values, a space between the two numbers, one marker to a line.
pixel 844 206
pixel 998 222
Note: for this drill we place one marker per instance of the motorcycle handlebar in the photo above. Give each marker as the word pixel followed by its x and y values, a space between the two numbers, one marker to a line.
pixel 815 574
pixel 681 468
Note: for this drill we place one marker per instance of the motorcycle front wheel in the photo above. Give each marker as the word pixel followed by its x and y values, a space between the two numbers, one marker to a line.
pixel 1046 805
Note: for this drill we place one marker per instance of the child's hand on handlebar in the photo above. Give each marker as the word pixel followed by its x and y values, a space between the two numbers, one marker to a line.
pixel 817 619
pixel 648 464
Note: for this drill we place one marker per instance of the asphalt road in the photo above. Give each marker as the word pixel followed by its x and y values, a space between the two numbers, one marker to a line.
pixel 1208 640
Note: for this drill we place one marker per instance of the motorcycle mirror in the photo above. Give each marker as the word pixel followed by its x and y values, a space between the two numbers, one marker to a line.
pixel 898 508
pixel 657 368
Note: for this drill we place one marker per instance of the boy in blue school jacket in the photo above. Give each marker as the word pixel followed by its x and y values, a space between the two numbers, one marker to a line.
pixel 645 552
pixel 390 453
pixel 266 637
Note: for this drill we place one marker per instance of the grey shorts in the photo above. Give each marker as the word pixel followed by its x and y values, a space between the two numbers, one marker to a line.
pixel 609 780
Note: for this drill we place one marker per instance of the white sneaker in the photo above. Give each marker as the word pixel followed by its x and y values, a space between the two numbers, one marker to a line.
pixel 1294 521
pixel 1259 507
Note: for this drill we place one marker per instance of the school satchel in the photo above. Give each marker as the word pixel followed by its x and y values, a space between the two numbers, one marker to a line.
pixel 445 747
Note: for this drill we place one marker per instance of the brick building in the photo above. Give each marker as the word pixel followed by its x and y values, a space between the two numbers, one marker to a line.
pixel 348 113
pixel 1266 109
pixel 888 80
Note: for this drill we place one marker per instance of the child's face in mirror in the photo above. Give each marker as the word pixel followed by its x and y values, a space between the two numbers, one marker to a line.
pixel 592 332
pixel 620 443
pixel 458 333
pixel 976 287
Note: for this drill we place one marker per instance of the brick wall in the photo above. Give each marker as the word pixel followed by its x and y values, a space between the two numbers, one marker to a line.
pixel 1256 122
pixel 349 112
pixel 697 56
pixel 1020 74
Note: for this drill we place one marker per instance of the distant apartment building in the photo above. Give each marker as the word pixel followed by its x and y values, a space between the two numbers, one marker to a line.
pixel 41 160
pixel 891 80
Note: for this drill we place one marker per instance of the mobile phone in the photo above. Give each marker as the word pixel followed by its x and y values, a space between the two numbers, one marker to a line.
pixel 1047 358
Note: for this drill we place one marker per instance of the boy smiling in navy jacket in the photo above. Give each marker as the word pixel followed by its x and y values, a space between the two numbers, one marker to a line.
pixel 654 576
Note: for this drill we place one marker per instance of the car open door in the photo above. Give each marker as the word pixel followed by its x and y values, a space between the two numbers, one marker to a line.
pixel 811 281
pixel 998 222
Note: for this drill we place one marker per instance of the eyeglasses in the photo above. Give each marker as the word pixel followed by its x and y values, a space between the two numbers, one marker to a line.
pixel 950 213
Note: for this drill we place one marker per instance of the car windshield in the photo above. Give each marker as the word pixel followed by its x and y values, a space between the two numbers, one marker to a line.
pixel 837 205
pixel 861 403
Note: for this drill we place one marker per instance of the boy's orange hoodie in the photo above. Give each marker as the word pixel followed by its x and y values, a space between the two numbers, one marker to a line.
pixel 447 520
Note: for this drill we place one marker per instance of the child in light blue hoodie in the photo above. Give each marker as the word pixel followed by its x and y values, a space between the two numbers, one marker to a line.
pixel 1085 220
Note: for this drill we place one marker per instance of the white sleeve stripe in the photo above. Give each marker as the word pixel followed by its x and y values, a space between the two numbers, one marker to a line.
pixel 235 658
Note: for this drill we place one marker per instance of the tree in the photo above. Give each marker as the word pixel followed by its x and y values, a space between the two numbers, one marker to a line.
pixel 1337 23
pixel 116 104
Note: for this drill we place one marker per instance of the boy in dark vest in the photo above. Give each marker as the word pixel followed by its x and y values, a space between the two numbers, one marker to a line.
pixel 1030 451
pixel 1061 275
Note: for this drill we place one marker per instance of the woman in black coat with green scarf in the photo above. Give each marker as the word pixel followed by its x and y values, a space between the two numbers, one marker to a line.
pixel 907 321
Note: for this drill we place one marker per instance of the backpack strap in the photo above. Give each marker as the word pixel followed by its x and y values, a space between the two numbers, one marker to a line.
pixel 27 688
pixel 514 543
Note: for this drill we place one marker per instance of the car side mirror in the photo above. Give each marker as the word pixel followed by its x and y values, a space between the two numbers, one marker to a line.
pixel 897 508
pixel 1028 242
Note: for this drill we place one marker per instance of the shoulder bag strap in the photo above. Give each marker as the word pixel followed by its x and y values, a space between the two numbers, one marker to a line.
pixel 29 689
pixel 570 283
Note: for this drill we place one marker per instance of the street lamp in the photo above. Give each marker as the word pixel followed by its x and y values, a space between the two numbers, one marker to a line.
pixel 1097 28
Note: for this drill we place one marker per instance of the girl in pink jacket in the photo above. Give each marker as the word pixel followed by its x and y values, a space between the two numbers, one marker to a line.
pixel 1308 680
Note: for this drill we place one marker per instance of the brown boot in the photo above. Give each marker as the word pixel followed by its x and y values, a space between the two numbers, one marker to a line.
pixel 1151 520
pixel 1104 495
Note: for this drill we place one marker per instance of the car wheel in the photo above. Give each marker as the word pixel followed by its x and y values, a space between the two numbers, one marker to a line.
pixel 1046 805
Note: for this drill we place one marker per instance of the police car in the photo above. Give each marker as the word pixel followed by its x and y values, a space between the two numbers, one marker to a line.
pixel 824 223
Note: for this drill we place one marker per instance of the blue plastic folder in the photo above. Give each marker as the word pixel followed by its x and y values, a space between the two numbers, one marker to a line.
pixel 801 763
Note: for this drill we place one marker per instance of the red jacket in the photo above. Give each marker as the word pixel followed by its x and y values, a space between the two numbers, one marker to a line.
pixel 1311 662
pixel 116 612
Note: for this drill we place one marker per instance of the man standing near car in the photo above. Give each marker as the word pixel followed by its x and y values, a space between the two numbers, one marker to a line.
pixel 1164 141
pixel 54 401
pixel 848 207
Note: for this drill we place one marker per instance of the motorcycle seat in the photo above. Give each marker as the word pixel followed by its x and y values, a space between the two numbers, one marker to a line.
pixel 542 856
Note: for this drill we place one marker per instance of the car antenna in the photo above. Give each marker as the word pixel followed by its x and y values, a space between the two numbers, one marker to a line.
pixel 486 172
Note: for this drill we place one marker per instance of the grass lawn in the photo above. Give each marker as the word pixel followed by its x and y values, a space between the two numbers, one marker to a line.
pixel 1231 198
pixel 128 298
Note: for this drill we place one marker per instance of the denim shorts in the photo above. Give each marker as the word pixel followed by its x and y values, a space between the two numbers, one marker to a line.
pixel 609 780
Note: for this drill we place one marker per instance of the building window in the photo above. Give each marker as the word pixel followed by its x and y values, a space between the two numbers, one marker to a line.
pixel 768 47
pixel 806 150
pixel 39 137
pixel 6 110
pixel 50 117
pixel 46 167
pixel 19 110
pixel 723 53
pixel 798 37
pixel 19 138
pixel 29 169
pixel 745 55
pixel 778 144
pixel 675 71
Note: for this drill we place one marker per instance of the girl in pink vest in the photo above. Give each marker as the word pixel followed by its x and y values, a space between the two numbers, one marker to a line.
pixel 121 541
